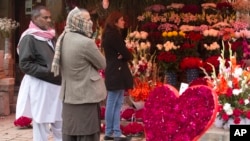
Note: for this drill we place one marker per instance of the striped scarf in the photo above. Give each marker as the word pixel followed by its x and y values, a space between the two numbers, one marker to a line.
pixel 77 21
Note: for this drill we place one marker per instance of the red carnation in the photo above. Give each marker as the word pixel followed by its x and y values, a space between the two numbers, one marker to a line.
pixel 237 112
pixel 229 92
pixel 225 117
pixel 236 120
pixel 248 114
pixel 241 101
pixel 220 108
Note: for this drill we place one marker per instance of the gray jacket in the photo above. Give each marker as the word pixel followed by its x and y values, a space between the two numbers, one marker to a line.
pixel 35 58
pixel 80 62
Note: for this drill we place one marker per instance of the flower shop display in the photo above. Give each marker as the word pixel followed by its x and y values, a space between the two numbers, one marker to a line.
pixel 231 84
pixel 169 116
pixel 167 56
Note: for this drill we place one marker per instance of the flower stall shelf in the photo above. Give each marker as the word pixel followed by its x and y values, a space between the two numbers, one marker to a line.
pixel 232 85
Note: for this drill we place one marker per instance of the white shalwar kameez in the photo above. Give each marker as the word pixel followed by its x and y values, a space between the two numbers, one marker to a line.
pixel 39 100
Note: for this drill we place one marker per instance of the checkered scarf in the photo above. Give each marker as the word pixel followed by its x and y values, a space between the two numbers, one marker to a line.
pixel 77 21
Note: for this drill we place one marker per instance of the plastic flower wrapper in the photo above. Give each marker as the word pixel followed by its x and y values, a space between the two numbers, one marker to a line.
pixel 7 26
pixel 232 87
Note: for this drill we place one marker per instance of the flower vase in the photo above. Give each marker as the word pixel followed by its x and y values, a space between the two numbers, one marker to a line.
pixel 7 48
pixel 171 78
pixel 191 74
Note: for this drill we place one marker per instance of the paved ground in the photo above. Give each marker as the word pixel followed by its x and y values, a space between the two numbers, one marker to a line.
pixel 8 132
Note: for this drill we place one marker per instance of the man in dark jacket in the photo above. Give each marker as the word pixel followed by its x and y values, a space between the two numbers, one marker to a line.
pixel 38 96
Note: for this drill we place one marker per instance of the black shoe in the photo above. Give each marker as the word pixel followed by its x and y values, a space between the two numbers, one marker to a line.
pixel 107 138
pixel 123 138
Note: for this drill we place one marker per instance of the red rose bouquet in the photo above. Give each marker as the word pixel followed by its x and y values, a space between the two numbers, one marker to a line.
pixel 191 63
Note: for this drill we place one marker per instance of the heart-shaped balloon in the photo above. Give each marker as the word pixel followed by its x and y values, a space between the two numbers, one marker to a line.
pixel 169 116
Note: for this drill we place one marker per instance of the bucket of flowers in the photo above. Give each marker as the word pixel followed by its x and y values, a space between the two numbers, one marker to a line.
pixel 191 66
pixel 167 57
pixel 232 85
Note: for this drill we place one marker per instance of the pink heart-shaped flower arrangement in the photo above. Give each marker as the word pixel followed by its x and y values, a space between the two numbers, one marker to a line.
pixel 170 117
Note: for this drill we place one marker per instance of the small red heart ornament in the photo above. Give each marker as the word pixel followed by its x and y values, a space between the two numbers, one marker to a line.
pixel 169 116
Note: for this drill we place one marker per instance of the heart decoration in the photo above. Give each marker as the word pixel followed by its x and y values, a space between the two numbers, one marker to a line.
pixel 169 116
